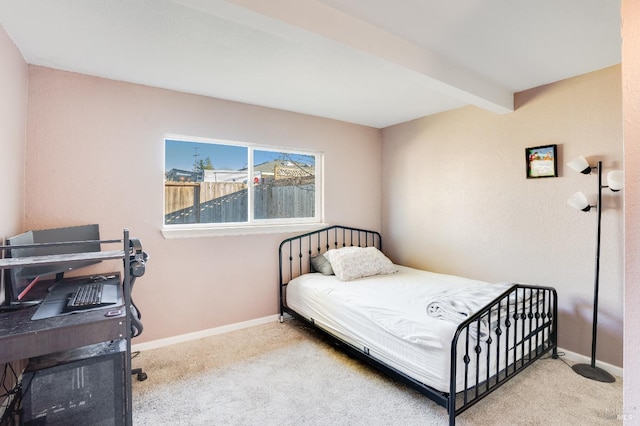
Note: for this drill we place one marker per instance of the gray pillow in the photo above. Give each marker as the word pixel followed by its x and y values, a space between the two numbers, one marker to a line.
pixel 321 264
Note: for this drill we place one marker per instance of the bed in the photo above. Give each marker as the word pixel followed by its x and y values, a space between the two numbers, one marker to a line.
pixel 453 339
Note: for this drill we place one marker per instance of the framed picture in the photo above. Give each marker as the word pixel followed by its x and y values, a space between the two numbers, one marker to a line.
pixel 542 161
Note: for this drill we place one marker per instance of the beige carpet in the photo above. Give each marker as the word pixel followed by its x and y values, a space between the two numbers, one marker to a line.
pixel 277 374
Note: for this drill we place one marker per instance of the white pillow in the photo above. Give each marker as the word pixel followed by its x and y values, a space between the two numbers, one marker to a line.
pixel 350 263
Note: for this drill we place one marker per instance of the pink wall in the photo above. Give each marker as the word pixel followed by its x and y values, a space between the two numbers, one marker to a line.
pixel 456 200
pixel 95 153
pixel 13 118
pixel 631 113
pixel 13 121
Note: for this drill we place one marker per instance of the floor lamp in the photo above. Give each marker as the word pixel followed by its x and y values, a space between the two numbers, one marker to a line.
pixel 615 181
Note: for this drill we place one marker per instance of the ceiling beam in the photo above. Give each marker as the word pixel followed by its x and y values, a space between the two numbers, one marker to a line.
pixel 315 22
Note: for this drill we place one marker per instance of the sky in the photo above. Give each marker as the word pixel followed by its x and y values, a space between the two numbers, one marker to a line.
pixel 180 155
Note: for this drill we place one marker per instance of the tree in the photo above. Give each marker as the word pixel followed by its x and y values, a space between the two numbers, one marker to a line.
pixel 204 164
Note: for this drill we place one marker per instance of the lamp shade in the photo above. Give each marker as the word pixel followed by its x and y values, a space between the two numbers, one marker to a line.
pixel 615 180
pixel 579 201
pixel 580 164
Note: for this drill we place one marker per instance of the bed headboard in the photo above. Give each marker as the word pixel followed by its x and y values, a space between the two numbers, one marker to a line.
pixel 295 253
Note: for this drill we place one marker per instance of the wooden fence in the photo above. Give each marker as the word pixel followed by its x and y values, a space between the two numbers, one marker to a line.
pixel 223 202
pixel 179 196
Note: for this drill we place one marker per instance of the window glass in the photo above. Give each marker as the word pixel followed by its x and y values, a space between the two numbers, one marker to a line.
pixel 224 183
pixel 284 185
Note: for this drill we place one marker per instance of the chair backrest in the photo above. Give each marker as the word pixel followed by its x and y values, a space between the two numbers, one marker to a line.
pixel 137 264
pixel 136 323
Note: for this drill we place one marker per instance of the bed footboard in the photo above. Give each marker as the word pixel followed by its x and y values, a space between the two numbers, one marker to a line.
pixel 489 348
pixel 496 343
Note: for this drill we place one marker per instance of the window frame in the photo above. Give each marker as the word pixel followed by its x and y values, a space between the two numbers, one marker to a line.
pixel 252 226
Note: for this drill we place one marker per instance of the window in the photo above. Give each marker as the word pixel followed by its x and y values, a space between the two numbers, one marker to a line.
pixel 221 184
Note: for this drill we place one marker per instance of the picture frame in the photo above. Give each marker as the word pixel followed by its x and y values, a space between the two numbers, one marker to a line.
pixel 542 161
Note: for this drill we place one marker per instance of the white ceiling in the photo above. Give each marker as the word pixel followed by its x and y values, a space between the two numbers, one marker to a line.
pixel 371 62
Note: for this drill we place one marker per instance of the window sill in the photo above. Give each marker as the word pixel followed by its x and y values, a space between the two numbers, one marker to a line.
pixel 176 233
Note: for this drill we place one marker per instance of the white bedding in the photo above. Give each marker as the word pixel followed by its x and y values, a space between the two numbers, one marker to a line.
pixel 387 315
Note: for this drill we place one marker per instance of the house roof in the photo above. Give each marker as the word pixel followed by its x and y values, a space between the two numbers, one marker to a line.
pixel 294 169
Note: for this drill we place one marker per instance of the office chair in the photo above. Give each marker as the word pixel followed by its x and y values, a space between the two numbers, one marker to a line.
pixel 137 264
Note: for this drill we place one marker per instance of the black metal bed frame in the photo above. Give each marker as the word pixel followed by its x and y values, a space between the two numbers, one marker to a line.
pixel 528 325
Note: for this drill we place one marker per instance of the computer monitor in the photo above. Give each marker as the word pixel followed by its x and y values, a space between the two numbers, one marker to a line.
pixel 18 280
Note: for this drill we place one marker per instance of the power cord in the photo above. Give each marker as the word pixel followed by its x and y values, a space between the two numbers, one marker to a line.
pixel 11 396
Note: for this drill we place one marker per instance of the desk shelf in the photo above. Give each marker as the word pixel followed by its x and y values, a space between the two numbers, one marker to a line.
pixel 22 338
pixel 15 262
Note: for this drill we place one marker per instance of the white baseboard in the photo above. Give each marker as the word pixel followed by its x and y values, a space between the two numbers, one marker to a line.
pixel 578 358
pixel 154 344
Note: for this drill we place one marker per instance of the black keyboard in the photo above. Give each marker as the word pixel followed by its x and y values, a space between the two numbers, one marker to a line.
pixel 86 296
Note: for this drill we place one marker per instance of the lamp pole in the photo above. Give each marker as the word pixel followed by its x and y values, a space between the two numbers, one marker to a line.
pixel 590 371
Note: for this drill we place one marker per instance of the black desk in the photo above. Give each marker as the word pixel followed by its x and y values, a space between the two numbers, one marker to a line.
pixel 22 338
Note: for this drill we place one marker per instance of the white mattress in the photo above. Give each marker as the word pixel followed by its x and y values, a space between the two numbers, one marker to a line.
pixel 386 315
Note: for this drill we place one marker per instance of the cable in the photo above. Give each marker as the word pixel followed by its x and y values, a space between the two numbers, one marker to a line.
pixel 560 356
pixel 12 396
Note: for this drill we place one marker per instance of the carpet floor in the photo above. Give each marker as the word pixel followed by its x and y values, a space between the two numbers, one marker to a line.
pixel 276 374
